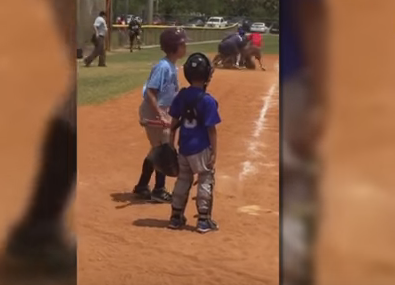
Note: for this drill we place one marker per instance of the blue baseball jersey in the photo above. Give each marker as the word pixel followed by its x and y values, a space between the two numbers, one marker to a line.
pixel 193 136
pixel 234 39
pixel 163 77
pixel 241 31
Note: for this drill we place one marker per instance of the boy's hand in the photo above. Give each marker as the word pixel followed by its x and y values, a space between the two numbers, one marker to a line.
pixel 212 161
pixel 164 119
pixel 165 122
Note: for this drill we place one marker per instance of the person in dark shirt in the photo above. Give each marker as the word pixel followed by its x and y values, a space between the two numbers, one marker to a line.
pixel 230 50
pixel 134 33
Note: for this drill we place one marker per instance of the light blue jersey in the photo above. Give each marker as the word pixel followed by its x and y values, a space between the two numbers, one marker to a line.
pixel 163 78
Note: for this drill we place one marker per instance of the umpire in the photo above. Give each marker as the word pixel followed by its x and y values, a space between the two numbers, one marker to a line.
pixel 98 37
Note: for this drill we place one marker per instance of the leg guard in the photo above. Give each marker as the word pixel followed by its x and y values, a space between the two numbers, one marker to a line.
pixel 204 200
pixel 183 186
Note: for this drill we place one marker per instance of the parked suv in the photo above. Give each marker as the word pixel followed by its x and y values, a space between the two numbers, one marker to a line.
pixel 216 22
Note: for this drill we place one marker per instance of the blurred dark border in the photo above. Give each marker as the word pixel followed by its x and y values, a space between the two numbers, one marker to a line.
pixel 302 115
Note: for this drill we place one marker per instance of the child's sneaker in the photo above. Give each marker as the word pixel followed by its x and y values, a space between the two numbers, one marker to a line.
pixel 206 225
pixel 142 192
pixel 177 221
pixel 161 195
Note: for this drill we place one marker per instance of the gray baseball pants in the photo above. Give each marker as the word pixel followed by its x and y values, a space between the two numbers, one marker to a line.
pixel 190 165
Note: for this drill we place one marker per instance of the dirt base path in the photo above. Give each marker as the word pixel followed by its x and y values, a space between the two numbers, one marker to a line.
pixel 122 241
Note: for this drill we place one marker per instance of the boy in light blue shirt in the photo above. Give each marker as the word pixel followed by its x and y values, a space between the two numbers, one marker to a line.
pixel 159 92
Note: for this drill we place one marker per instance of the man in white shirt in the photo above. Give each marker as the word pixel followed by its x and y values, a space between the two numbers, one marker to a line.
pixel 100 27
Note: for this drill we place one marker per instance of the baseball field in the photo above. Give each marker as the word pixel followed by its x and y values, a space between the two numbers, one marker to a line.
pixel 125 241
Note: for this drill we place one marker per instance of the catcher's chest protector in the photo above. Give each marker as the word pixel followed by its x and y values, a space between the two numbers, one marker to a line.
pixel 190 114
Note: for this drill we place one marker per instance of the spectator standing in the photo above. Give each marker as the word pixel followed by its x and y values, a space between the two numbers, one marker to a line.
pixel 98 40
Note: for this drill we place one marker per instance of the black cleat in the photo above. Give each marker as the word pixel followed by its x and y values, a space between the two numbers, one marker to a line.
pixel 142 192
pixel 161 195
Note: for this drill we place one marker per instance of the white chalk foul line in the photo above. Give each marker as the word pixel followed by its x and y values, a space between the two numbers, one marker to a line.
pixel 261 120
pixel 248 166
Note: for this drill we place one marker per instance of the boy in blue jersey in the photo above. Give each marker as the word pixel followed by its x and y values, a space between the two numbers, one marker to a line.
pixel 241 31
pixel 195 112
pixel 159 92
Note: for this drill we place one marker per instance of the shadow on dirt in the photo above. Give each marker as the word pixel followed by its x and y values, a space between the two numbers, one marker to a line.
pixel 28 272
pixel 161 224
pixel 129 199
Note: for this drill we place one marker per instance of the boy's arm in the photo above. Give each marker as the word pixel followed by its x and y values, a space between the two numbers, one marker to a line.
pixel 212 134
pixel 154 86
pixel 174 123
pixel 211 119
pixel 153 102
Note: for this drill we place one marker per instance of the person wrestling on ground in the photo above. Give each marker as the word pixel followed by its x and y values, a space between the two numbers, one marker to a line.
pixel 250 53
pixel 230 50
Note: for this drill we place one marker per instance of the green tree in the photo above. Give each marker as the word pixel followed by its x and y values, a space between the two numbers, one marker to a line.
pixel 209 7
pixel 251 8
pixel 272 8
pixel 254 9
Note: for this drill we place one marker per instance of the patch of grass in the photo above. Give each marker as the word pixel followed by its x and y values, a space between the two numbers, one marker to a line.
pixel 127 71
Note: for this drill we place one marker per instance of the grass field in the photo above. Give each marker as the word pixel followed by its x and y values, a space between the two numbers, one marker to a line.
pixel 127 71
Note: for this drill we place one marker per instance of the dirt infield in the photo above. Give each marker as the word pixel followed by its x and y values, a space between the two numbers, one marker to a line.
pixel 122 241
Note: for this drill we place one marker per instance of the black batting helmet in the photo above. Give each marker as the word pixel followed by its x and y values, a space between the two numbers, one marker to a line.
pixel 198 67
pixel 246 26
pixel 171 38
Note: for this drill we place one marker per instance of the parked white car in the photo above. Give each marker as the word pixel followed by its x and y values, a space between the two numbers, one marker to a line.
pixel 216 22
pixel 258 28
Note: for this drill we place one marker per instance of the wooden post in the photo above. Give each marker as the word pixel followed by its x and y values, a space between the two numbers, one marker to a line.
pixel 109 24
pixel 150 11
